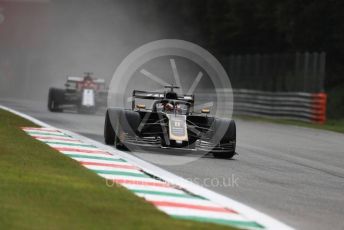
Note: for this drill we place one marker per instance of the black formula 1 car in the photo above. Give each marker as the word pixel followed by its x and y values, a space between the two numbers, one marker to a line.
pixel 85 95
pixel 170 123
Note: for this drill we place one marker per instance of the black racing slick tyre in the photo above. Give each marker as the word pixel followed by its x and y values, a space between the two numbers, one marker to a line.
pixel 110 136
pixel 118 122
pixel 55 99
pixel 229 137
pixel 109 132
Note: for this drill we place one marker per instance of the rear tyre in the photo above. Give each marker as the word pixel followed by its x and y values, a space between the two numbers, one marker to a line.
pixel 55 99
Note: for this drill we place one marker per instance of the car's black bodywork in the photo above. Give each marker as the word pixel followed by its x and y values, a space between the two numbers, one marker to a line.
pixel 85 95
pixel 180 127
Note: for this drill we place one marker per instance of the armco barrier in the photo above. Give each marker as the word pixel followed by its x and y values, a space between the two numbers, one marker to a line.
pixel 310 107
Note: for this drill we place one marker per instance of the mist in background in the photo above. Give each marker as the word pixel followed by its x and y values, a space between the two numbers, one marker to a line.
pixel 41 42
pixel 204 92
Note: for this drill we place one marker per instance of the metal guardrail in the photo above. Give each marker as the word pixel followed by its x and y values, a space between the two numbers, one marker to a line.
pixel 310 107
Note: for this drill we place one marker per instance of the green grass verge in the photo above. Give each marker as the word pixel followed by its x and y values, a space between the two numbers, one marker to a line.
pixel 335 102
pixel 336 125
pixel 43 189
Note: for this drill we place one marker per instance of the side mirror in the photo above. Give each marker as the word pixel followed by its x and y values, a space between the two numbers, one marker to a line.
pixel 140 106
pixel 206 111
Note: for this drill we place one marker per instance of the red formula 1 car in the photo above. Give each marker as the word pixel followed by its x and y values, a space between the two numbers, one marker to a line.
pixel 85 95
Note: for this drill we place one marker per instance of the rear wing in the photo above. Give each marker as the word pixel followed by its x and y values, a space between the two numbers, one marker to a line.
pixel 148 95
pixel 74 79
pixel 99 81
pixel 158 96
pixel 80 79
pixel 72 82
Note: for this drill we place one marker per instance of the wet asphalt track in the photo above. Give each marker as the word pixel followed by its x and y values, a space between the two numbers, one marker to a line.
pixel 291 173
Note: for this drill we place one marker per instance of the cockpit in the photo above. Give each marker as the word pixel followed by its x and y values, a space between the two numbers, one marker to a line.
pixel 172 107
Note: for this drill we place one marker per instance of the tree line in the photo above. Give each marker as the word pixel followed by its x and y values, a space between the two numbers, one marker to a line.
pixel 258 26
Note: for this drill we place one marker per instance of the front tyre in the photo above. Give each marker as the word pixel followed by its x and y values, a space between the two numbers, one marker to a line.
pixel 110 136
pixel 224 155
pixel 54 100
pixel 228 139
pixel 109 132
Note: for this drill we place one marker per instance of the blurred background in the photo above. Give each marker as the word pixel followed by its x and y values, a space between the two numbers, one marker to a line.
pixel 267 45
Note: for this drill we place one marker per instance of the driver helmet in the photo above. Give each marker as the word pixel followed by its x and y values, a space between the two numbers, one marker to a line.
pixel 168 107
pixel 88 78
